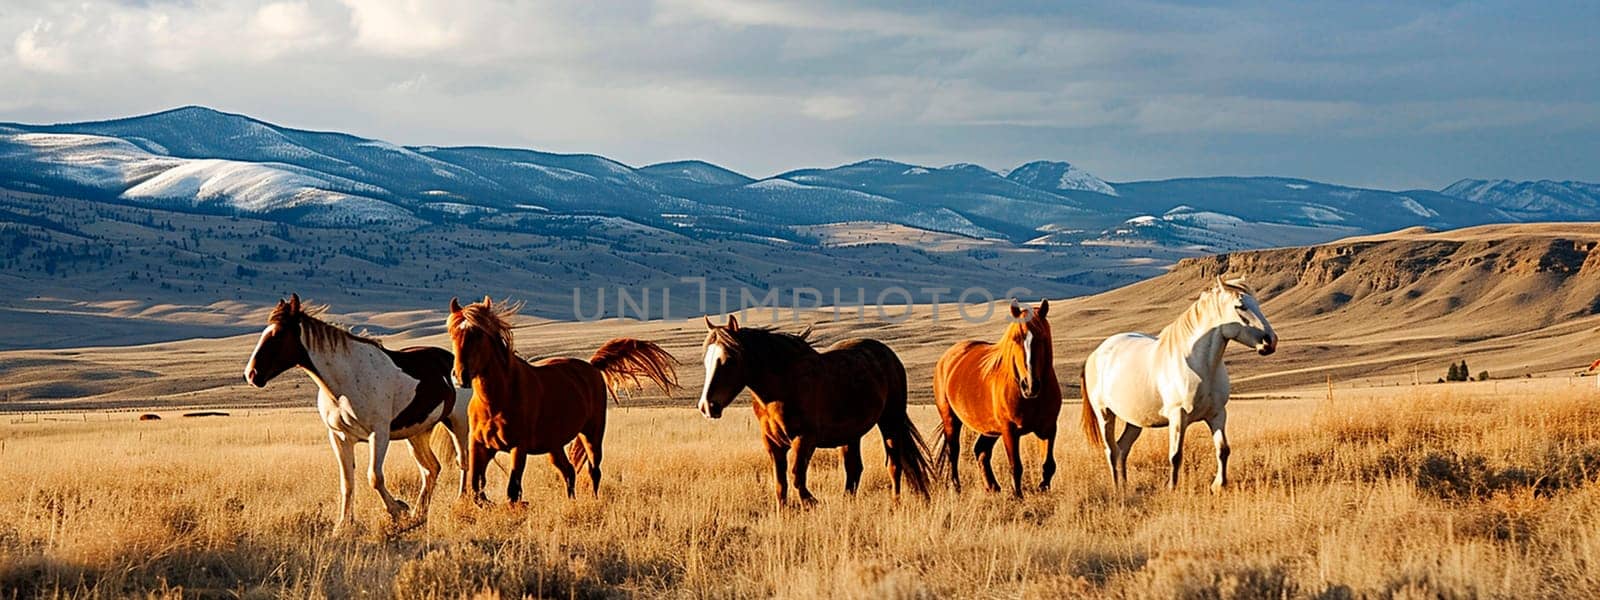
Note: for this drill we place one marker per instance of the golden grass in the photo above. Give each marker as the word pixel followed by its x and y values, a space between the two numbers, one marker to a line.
pixel 1421 496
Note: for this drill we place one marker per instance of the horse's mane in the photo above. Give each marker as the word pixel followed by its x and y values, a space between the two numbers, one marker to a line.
pixel 1008 351
pixel 1182 330
pixel 314 332
pixel 760 345
pixel 494 320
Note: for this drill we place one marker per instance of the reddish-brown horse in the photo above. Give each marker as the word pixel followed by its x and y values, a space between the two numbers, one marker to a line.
pixel 1003 391
pixel 527 408
pixel 806 400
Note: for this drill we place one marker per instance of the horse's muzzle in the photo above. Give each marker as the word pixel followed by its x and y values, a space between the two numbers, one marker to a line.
pixel 1268 346
pixel 1028 391
pixel 711 411
pixel 253 378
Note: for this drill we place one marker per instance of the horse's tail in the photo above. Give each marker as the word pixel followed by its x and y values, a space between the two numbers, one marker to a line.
pixel 941 459
pixel 904 445
pixel 1091 424
pixel 627 361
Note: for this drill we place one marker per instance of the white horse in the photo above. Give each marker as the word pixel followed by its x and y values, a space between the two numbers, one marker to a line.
pixel 368 393
pixel 1173 380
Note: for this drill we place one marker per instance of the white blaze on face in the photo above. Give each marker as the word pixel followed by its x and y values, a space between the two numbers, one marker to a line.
pixel 714 355
pixel 1027 353
pixel 265 333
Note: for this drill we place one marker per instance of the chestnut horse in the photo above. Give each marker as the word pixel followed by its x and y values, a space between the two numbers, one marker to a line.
pixel 538 408
pixel 807 400
pixel 1004 391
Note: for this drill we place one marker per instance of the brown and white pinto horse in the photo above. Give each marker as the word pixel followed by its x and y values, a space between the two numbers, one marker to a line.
pixel 527 408
pixel 1003 391
pixel 807 400
pixel 366 393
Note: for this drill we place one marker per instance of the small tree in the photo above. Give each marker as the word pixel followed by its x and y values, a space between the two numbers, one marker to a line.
pixel 1465 373
pixel 1483 376
pixel 1454 373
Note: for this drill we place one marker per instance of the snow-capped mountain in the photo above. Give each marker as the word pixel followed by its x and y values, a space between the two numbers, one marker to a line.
pixel 1542 200
pixel 201 160
pixel 1059 176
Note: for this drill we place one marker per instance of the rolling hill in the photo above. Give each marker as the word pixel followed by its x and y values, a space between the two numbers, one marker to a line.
pixel 1387 310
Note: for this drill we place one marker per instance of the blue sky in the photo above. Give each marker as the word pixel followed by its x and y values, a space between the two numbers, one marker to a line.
pixel 1382 94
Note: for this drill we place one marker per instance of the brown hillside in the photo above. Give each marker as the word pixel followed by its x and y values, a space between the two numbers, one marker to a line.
pixel 1378 310
pixel 1512 299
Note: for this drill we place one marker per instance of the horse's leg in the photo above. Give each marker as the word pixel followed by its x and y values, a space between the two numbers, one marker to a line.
pixel 478 457
pixel 1178 422
pixel 380 449
pixel 1048 444
pixel 1130 434
pixel 1219 438
pixel 1108 431
pixel 780 470
pixel 428 464
pixel 460 435
pixel 983 449
pixel 519 463
pixel 801 451
pixel 568 474
pixel 1014 455
pixel 851 457
pixel 592 443
pixel 344 449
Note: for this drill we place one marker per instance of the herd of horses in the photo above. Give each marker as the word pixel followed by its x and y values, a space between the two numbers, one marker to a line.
pixel 491 400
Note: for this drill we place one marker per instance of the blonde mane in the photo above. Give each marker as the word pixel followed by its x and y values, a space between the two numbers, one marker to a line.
pixel 1008 352
pixel 1183 329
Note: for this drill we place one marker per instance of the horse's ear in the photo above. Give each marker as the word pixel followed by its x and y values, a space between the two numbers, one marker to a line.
pixel 733 323
pixel 1044 308
pixel 807 333
pixel 1016 309
pixel 294 302
pixel 709 325
pixel 487 301
pixel 455 305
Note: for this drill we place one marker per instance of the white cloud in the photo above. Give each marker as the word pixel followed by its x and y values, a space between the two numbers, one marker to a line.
pixel 405 27
pixel 830 108
pixel 648 80
pixel 34 53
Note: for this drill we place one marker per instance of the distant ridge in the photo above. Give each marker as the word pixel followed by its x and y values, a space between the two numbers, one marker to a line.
pixel 203 160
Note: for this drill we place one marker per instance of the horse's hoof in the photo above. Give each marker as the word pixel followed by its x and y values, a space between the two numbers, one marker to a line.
pixel 1217 488
pixel 517 505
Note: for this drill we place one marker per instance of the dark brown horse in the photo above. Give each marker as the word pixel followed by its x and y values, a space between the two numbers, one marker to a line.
pixel 807 400
pixel 538 408
pixel 1003 391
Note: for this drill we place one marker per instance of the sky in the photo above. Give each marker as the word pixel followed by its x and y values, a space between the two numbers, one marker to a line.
pixel 1393 95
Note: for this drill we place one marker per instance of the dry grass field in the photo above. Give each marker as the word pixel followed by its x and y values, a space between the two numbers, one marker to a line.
pixel 1439 492
pixel 1482 489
